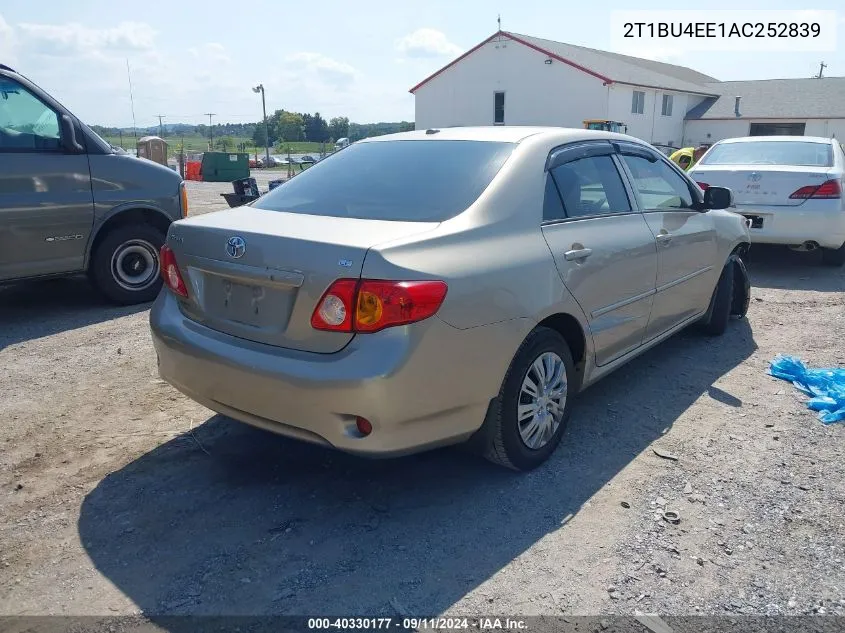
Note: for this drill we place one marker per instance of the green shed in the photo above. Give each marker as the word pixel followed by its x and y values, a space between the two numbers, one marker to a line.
pixel 224 166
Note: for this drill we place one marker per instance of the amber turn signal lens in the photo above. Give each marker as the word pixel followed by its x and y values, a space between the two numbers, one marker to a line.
pixel 183 193
pixel 370 308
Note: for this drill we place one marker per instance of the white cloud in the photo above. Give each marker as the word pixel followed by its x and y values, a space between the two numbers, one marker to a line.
pixel 324 68
pixel 74 38
pixel 212 51
pixel 7 43
pixel 427 43
pixel 184 80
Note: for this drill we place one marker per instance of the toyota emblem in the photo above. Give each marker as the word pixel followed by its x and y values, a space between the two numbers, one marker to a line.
pixel 754 176
pixel 235 247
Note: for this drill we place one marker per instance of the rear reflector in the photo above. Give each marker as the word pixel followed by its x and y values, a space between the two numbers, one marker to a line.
pixel 829 189
pixel 704 186
pixel 364 425
pixel 170 272
pixel 370 305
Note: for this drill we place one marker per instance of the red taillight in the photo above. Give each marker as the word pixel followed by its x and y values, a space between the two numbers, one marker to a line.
pixel 170 272
pixel 829 189
pixel 704 186
pixel 371 305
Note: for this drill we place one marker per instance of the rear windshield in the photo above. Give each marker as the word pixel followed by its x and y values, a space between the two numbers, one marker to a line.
pixel 771 153
pixel 408 181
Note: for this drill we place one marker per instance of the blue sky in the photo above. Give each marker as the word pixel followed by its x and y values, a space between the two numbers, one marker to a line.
pixel 333 56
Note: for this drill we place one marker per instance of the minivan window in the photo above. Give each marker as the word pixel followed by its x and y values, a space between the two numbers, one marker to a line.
pixel 799 153
pixel 26 124
pixel 407 181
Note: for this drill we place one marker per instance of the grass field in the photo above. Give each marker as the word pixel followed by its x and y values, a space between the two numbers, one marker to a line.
pixel 195 144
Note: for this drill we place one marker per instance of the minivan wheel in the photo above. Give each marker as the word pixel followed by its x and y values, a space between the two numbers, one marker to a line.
pixel 527 420
pixel 833 256
pixel 125 265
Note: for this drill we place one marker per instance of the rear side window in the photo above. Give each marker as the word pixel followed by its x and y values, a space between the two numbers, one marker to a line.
pixel 407 181
pixel 799 153
pixel 658 185
pixel 591 186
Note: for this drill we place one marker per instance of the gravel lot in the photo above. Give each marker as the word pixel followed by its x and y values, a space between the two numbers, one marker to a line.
pixel 120 496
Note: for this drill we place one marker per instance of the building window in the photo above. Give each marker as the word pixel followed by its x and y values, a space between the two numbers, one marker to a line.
pixel 499 108
pixel 777 129
pixel 667 105
pixel 638 102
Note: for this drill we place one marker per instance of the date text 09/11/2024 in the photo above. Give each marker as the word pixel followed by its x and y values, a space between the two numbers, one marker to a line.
pixel 416 624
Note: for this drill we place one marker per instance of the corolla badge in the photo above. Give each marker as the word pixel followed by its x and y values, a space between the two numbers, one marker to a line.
pixel 235 247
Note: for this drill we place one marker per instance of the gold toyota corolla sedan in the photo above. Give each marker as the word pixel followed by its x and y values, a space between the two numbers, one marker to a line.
pixel 444 286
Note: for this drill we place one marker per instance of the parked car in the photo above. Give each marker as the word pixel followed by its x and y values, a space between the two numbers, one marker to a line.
pixel 277 161
pixel 431 288
pixel 254 163
pixel 307 160
pixel 789 187
pixel 70 202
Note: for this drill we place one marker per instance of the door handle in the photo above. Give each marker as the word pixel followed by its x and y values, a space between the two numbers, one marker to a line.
pixel 664 238
pixel 580 253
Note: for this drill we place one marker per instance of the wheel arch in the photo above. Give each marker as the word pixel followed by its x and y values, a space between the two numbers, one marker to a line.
pixel 573 333
pixel 742 283
pixel 131 215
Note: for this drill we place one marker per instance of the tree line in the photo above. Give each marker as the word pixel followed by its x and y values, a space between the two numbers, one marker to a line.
pixel 283 126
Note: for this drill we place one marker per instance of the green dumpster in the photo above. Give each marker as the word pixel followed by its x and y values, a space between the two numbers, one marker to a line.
pixel 224 166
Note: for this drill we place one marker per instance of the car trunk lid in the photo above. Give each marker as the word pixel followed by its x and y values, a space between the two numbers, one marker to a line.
pixel 259 274
pixel 770 185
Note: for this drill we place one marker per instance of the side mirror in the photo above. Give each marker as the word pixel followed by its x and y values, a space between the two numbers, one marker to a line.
pixel 718 198
pixel 68 131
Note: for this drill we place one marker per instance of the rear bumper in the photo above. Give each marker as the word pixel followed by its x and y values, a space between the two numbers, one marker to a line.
pixel 420 386
pixel 822 222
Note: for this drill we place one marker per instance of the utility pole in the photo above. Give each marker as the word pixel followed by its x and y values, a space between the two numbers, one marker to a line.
pixel 121 138
pixel 260 88
pixel 821 71
pixel 160 126
pixel 210 131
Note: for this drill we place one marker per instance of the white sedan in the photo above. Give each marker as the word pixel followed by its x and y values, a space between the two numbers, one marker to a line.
pixel 789 187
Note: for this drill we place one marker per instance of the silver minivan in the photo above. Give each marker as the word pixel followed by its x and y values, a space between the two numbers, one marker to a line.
pixel 72 203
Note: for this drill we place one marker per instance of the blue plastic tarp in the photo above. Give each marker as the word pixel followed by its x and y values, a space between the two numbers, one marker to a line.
pixel 826 387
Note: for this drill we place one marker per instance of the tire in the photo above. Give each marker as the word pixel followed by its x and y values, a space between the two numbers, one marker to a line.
pixel 719 312
pixel 741 288
pixel 504 443
pixel 833 256
pixel 125 265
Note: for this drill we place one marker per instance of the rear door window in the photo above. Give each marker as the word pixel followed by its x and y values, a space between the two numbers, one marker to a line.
pixel 591 186
pixel 798 153
pixel 407 181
